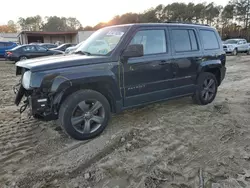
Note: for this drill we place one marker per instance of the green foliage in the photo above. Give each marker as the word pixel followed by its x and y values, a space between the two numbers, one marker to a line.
pixel 52 23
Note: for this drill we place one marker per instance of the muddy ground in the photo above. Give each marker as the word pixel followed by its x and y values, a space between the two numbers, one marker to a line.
pixel 174 144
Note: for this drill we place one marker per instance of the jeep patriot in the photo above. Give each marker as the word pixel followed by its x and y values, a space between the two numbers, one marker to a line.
pixel 121 67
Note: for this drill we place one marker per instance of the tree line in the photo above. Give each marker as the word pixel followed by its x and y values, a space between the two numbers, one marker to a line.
pixel 232 20
pixel 37 23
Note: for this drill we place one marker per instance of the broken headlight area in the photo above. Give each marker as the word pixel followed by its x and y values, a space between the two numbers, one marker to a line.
pixel 41 104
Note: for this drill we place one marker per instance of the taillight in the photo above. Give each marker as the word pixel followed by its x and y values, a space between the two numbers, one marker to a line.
pixel 9 53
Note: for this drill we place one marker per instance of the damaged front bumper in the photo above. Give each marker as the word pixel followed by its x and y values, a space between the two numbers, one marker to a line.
pixel 38 104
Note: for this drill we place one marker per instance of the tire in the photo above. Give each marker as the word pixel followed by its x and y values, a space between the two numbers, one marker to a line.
pixel 22 58
pixel 81 108
pixel 235 52
pixel 200 96
pixel 248 52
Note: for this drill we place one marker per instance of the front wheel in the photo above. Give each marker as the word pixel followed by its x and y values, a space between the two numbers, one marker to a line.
pixel 206 88
pixel 235 52
pixel 84 114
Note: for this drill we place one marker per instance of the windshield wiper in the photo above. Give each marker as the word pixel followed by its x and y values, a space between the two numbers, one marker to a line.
pixel 82 52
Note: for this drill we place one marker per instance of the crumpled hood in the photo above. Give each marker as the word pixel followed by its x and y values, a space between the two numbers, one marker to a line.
pixel 60 61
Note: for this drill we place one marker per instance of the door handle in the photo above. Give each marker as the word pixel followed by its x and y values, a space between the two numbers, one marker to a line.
pixel 163 62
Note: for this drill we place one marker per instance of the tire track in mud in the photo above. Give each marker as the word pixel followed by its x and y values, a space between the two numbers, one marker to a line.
pixel 49 175
pixel 17 140
pixel 174 152
pixel 139 141
pixel 171 149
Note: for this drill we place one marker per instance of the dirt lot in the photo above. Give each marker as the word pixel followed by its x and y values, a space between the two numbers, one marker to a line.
pixel 174 144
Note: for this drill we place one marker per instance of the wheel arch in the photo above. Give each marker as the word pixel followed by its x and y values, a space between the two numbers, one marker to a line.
pixel 106 88
pixel 213 67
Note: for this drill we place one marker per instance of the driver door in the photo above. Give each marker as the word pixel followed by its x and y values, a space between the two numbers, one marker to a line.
pixel 148 78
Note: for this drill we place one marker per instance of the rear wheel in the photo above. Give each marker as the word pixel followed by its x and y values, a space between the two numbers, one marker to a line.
pixel 206 89
pixel 22 58
pixel 248 52
pixel 84 114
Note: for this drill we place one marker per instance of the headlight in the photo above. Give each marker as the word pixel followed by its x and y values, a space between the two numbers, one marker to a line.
pixel 26 80
pixel 230 46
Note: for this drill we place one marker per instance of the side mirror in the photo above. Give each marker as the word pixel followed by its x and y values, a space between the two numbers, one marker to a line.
pixel 133 50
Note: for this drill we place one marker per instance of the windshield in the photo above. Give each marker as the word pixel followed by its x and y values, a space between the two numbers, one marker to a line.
pixel 78 45
pixel 231 41
pixel 103 41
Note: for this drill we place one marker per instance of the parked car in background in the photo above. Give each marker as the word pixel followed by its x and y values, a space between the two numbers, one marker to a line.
pixel 235 46
pixel 6 46
pixel 48 45
pixel 141 67
pixel 28 51
pixel 63 47
pixel 71 49
pixel 35 43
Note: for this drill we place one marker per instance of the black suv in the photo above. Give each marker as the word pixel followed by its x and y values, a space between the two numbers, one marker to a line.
pixel 132 65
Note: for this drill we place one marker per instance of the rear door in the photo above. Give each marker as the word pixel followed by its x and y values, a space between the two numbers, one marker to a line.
pixel 240 47
pixel 187 55
pixel 244 45
pixel 41 51
pixel 29 51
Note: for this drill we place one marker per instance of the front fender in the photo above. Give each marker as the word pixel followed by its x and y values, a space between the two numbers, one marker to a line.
pixel 63 82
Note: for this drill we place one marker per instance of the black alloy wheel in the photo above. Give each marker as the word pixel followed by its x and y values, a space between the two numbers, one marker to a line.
pixel 206 88
pixel 88 116
pixel 84 114
pixel 209 88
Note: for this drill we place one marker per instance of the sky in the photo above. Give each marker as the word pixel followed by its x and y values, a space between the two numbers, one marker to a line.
pixel 88 12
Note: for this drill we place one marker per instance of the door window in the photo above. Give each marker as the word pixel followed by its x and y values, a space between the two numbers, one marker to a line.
pixel 41 49
pixel 29 49
pixel 193 40
pixel 153 41
pixel 244 41
pixel 184 40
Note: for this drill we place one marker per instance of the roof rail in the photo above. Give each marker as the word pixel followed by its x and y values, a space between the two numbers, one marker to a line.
pixel 185 23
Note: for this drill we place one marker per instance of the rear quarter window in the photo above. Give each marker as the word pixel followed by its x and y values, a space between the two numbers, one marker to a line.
pixel 209 39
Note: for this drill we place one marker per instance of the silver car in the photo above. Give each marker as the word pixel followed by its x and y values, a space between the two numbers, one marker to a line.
pixel 71 49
